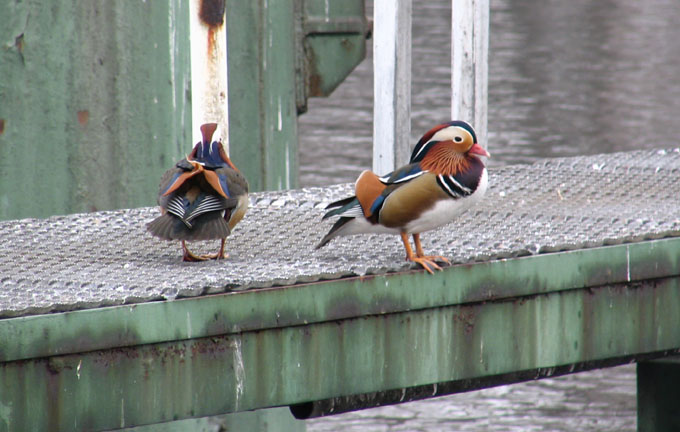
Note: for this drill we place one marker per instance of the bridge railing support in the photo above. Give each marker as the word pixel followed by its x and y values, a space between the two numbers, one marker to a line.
pixel 470 63
pixel 208 35
pixel 391 84
pixel 392 75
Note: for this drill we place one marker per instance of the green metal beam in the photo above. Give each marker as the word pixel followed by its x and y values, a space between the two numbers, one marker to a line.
pixel 281 366
pixel 146 323
pixel 165 361
pixel 93 97
pixel 262 95
pixel 334 44
pixel 280 53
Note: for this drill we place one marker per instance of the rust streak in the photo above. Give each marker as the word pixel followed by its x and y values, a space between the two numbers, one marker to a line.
pixel 83 117
pixel 19 43
pixel 211 43
pixel 2 126
pixel 211 13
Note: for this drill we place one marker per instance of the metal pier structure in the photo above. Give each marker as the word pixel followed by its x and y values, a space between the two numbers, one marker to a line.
pixel 567 265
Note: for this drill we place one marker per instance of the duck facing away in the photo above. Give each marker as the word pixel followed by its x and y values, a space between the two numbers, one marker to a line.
pixel 201 198
pixel 443 178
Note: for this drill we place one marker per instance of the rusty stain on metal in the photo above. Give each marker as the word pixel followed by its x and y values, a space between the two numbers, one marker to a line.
pixel 83 117
pixel 211 13
pixel 315 83
pixel 19 43
pixel 209 64
pixel 211 48
pixel 2 126
pixel 315 79
pixel 347 44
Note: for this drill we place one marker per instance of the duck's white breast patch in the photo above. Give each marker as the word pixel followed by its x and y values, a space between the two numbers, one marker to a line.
pixel 447 210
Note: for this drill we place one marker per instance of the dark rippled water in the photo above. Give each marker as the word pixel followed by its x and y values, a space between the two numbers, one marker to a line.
pixel 602 401
pixel 565 78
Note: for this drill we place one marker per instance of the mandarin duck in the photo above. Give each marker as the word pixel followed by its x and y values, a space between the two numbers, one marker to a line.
pixel 443 178
pixel 201 198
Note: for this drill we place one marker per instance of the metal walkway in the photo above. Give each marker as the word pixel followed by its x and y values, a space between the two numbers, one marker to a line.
pixel 568 264
pixel 107 258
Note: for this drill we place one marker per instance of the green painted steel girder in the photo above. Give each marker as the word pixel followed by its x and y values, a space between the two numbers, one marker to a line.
pixel 226 353
pixel 280 54
pixel 262 93
pixel 334 44
pixel 237 372
pixel 93 104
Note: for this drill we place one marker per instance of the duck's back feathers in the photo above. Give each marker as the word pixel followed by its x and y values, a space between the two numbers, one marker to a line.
pixel 199 203
pixel 403 174
pixel 369 192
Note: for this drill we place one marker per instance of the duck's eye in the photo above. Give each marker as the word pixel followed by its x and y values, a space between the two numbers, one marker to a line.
pixel 458 139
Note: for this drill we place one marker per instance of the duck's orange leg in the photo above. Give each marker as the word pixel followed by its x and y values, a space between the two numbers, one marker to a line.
pixel 421 254
pixel 426 262
pixel 189 256
pixel 221 254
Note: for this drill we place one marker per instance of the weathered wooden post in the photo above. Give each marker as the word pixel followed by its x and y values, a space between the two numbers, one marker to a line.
pixel 469 63
pixel 208 34
pixel 391 84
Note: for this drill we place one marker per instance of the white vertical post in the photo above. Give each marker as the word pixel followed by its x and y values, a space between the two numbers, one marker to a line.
pixel 391 84
pixel 208 34
pixel 470 63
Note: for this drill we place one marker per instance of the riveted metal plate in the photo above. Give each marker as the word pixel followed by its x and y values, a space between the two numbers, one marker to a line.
pixel 107 258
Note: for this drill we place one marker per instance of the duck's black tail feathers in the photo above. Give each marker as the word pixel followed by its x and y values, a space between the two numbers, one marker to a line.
pixel 334 232
pixel 207 226
pixel 341 206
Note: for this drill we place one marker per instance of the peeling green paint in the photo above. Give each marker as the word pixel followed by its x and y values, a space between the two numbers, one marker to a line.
pixel 280 366
pixel 499 322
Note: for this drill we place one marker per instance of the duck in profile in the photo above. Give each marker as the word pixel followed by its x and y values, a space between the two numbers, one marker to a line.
pixel 444 177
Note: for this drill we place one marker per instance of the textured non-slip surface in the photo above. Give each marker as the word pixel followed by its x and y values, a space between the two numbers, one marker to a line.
pixel 107 258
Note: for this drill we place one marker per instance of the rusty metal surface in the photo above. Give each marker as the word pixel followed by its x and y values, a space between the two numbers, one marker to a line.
pixel 106 258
